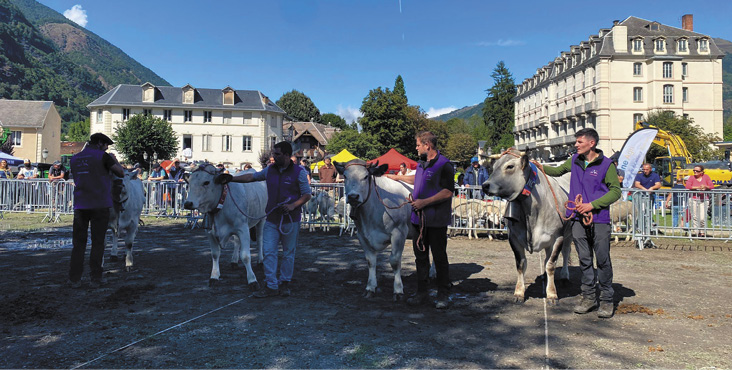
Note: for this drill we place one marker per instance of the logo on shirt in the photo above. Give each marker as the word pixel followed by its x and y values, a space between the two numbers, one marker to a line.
pixel 593 172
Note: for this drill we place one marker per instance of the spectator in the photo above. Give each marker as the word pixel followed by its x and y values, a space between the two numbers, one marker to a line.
pixel 475 176
pixel 404 170
pixel 676 200
pixel 271 161
pixel 56 172
pixel 698 201
pixel 222 168
pixel 644 201
pixel 247 166
pixel 621 174
pixel 327 172
pixel 306 165
pixel 5 172
pixel 27 171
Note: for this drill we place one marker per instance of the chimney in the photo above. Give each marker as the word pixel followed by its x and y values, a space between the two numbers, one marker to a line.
pixel 615 22
pixel 687 22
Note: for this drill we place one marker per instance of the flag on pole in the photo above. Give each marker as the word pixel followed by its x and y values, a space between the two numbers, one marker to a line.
pixel 633 154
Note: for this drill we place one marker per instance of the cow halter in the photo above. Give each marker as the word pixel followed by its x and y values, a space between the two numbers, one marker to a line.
pixel 376 190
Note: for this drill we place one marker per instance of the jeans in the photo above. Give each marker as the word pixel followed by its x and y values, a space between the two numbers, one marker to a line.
pixel 675 216
pixel 272 237
pixel 593 242
pixel 99 219
pixel 434 239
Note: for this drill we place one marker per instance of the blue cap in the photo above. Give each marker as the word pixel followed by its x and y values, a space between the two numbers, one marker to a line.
pixel 474 159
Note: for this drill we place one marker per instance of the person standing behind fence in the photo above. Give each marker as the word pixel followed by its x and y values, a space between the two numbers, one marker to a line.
pixel 158 174
pixel 698 201
pixel 5 172
pixel 27 171
pixel 595 181
pixel 287 191
pixel 475 176
pixel 649 181
pixel 92 200
pixel 676 200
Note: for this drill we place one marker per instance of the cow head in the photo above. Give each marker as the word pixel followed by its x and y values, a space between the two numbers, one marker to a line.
pixel 510 173
pixel 204 191
pixel 357 177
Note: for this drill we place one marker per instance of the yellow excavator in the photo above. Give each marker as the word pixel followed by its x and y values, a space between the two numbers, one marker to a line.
pixel 678 163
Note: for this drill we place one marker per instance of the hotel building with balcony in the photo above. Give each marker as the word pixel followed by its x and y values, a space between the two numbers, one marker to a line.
pixel 615 78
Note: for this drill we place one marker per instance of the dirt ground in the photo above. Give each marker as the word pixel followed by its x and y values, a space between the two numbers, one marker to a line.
pixel 673 310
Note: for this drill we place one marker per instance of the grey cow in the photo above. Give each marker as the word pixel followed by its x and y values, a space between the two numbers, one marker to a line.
pixel 532 217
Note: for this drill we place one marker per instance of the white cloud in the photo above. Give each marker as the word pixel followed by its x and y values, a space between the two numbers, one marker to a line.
pixel 501 42
pixel 77 15
pixel 349 113
pixel 434 112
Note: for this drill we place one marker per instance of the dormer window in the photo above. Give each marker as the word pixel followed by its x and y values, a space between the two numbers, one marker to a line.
pixel 659 45
pixel 228 95
pixel 188 94
pixel 638 45
pixel 654 26
pixel 593 50
pixel 682 45
pixel 703 45
pixel 148 93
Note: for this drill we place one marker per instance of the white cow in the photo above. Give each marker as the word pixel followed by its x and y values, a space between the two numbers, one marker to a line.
pixel 533 221
pixel 133 199
pixel 233 213
pixel 378 227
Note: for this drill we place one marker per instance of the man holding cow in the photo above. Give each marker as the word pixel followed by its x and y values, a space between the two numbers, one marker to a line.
pixel 287 190
pixel 433 189
pixel 593 188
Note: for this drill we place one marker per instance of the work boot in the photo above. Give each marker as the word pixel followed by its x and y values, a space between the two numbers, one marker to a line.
pixel 98 282
pixel 74 284
pixel 443 301
pixel 266 292
pixel 606 310
pixel 418 299
pixel 285 288
pixel 585 305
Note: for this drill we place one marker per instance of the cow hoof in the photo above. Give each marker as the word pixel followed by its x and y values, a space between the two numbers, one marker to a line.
pixel 368 294
pixel 212 282
pixel 518 300
pixel 254 286
pixel 128 268
pixel 551 301
pixel 234 266
pixel 398 297
pixel 113 258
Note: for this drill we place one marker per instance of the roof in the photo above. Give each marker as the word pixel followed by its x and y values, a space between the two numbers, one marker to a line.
pixel 393 158
pixel 342 157
pixel 24 113
pixel 322 133
pixel 71 147
pixel 172 97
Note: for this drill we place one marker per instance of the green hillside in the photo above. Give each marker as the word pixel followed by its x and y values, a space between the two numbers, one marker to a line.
pixel 726 46
pixel 464 113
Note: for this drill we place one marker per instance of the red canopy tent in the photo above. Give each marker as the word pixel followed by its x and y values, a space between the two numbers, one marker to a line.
pixel 394 159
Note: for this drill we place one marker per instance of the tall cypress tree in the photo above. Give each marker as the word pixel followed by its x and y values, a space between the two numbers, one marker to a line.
pixel 498 110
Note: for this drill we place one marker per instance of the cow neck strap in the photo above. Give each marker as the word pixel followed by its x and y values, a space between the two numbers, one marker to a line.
pixel 531 182
pixel 222 199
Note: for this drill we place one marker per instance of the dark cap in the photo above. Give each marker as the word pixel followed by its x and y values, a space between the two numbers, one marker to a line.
pixel 56 163
pixel 100 138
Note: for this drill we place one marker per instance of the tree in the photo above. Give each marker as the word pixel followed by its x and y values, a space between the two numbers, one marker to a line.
pixel 399 88
pixel 78 131
pixel 360 144
pixel 498 113
pixel 385 116
pixel 145 134
pixel 697 141
pixel 334 120
pixel 727 128
pixel 461 147
pixel 421 123
pixel 299 106
pixel 7 147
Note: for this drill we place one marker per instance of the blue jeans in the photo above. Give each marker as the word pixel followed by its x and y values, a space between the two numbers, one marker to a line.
pixel 272 237
pixel 675 216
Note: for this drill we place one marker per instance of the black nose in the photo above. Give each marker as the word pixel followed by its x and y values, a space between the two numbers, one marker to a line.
pixel 352 198
pixel 188 205
pixel 486 187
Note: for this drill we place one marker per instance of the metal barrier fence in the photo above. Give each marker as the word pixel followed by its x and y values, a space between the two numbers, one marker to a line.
pixel 640 215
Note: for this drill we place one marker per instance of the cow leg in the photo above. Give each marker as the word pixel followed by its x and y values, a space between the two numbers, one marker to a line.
pixel 370 255
pixel 215 254
pixel 550 263
pixel 520 257
pixel 260 241
pixel 129 240
pixel 114 253
pixel 397 247
pixel 246 257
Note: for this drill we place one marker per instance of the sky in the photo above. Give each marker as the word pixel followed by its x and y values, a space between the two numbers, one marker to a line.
pixel 337 51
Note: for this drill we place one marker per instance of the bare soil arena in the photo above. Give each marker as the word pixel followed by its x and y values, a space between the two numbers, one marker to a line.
pixel 673 309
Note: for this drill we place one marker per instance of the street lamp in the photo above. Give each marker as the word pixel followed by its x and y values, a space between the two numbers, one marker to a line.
pixel 44 154
pixel 149 165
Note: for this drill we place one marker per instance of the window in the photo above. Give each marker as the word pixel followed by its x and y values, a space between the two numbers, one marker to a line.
pixel 683 46
pixel 637 69
pixel 703 45
pixel 187 115
pixel 125 114
pixel 684 69
pixel 660 45
pixel 668 94
pixel 100 114
pixel 147 112
pixel 247 118
pixel 638 45
pixel 227 117
pixel 685 94
pixel 637 94
pixel 229 97
pixel 226 143
pixel 206 143
pixel 247 144
pixel 272 141
pixel 167 115
pixel 16 137
pixel 207 116
pixel 637 117
pixel 668 70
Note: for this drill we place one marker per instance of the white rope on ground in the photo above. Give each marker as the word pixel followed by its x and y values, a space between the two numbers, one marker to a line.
pixel 546 320
pixel 152 335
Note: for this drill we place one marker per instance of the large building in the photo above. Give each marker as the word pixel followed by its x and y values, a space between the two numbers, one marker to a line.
pixel 613 79
pixel 34 127
pixel 219 125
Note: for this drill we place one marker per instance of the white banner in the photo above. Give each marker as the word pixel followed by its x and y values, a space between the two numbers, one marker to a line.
pixel 633 154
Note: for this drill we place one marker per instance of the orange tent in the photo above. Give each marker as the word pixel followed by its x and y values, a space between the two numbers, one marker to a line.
pixel 394 159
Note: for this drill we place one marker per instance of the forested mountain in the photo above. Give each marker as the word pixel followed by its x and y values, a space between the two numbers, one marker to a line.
pixel 726 46
pixel 464 113
pixel 44 56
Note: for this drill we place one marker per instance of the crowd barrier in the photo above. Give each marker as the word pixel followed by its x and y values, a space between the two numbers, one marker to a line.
pixel 639 215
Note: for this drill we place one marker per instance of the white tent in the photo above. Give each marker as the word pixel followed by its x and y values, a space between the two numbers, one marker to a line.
pixel 12 161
